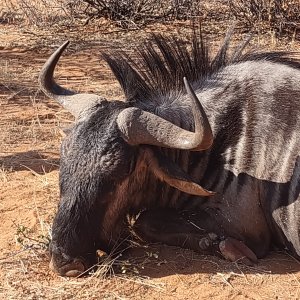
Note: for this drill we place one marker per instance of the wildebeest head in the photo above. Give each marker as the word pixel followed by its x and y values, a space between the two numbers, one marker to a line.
pixel 106 158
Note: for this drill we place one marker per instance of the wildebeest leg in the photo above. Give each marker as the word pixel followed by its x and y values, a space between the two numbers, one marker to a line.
pixel 178 229
pixel 169 227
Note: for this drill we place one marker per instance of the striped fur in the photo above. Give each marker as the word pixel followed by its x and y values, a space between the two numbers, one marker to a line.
pixel 252 102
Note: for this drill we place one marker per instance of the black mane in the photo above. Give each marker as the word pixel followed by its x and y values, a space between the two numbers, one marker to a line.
pixel 158 68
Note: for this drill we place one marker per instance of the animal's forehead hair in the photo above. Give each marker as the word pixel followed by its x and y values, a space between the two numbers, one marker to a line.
pixel 102 114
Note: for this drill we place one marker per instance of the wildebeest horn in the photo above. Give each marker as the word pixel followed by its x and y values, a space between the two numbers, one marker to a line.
pixel 141 127
pixel 76 104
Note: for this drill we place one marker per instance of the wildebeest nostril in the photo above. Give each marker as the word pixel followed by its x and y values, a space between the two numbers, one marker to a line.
pixel 72 269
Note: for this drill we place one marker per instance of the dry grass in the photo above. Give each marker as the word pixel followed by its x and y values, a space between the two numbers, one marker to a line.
pixel 37 12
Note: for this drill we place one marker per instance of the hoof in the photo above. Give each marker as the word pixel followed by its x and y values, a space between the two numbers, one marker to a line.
pixel 72 269
pixel 237 251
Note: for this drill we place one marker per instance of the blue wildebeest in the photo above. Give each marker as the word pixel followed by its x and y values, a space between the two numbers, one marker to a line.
pixel 211 164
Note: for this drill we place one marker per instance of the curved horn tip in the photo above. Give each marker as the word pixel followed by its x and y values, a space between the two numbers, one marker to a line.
pixel 57 53
pixel 64 45
pixel 45 79
pixel 67 42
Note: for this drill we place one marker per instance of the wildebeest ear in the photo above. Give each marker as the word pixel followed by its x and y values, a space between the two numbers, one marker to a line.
pixel 172 174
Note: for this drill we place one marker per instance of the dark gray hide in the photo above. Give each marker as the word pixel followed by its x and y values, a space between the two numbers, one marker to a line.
pixel 123 158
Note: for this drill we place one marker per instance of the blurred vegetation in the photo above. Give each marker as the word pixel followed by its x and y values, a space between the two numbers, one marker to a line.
pixel 138 13
pixel 279 16
pixel 283 16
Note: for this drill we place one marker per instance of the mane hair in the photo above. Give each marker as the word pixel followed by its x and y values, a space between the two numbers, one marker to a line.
pixel 158 68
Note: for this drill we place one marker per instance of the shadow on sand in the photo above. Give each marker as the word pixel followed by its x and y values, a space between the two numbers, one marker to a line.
pixel 35 161
pixel 159 261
